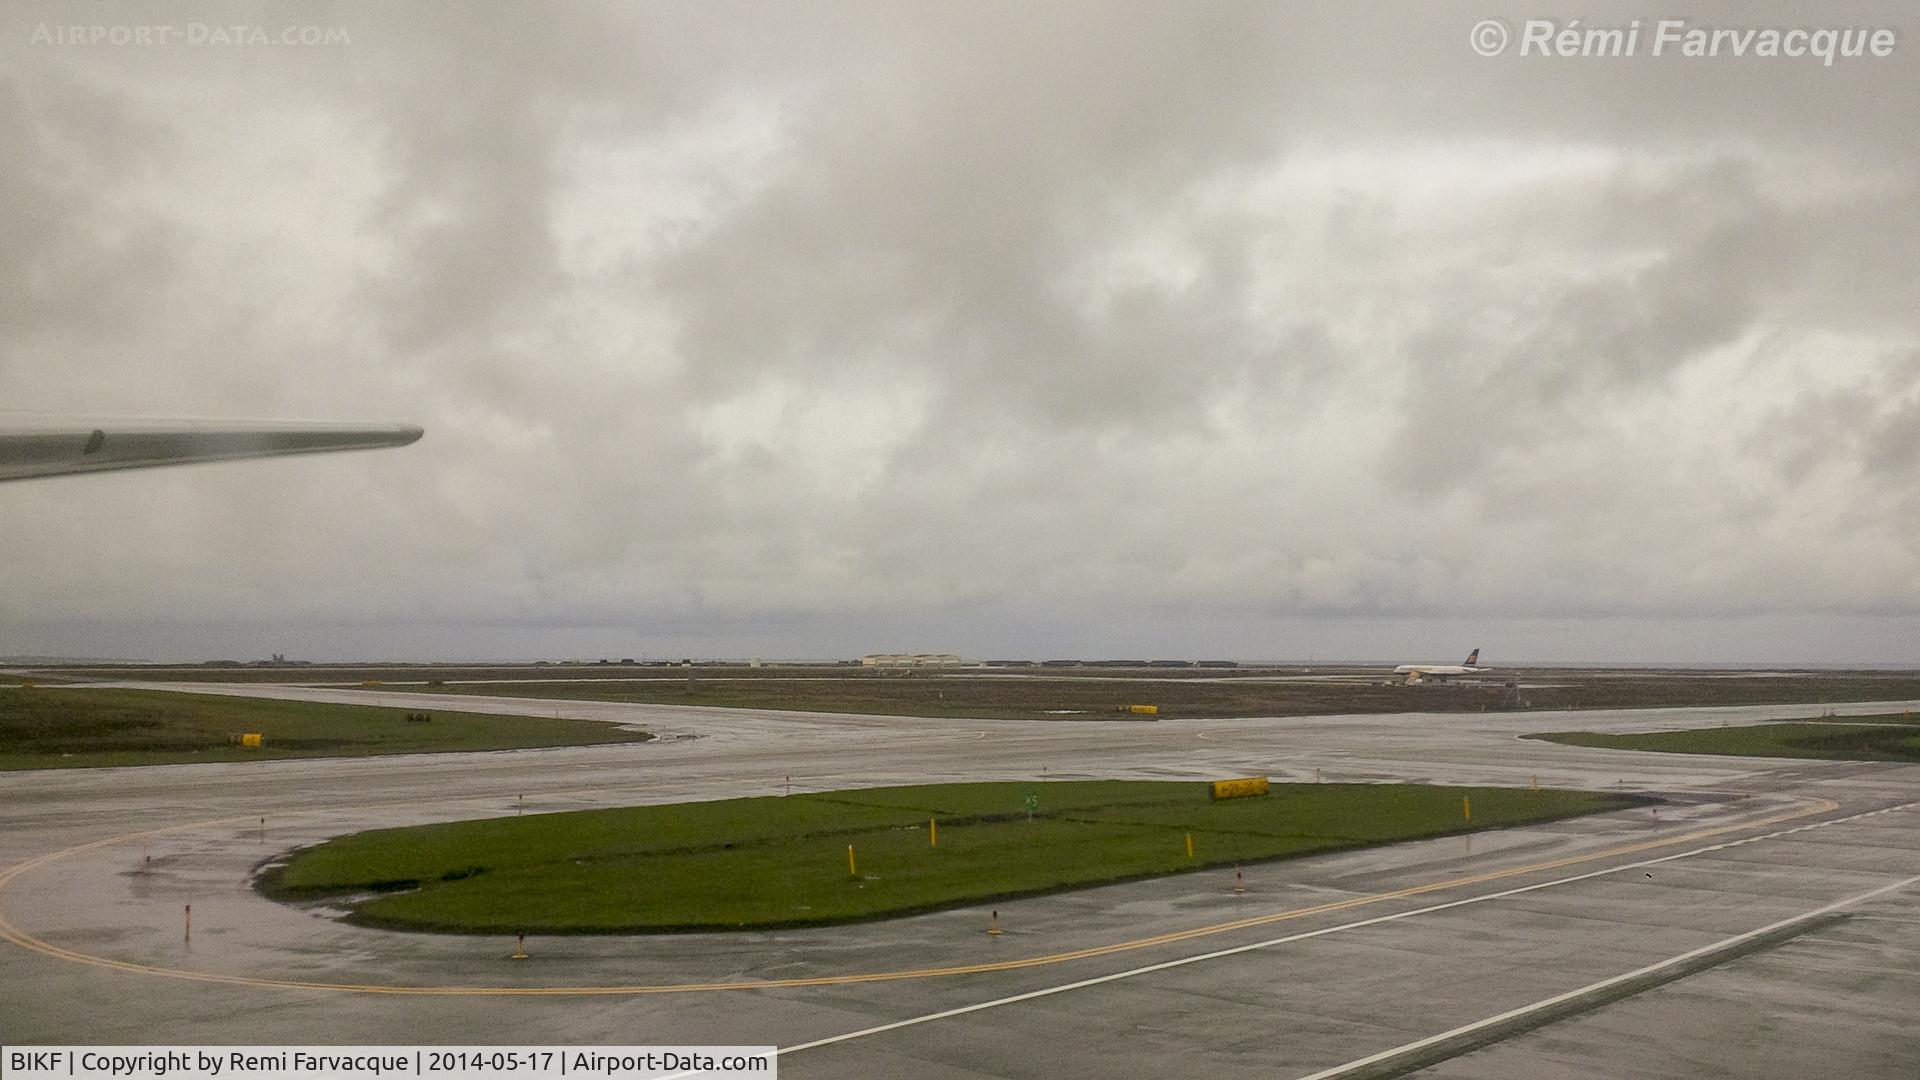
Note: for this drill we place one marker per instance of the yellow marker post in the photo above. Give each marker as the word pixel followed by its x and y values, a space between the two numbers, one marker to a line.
pixel 851 872
pixel 1466 809
pixel 1189 845
pixel 933 833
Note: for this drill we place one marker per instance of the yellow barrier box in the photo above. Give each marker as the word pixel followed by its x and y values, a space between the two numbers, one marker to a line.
pixel 1240 789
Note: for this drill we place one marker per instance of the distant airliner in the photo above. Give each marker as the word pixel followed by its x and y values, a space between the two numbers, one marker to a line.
pixel 58 448
pixel 1419 673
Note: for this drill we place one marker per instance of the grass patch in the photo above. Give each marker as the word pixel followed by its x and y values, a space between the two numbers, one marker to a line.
pixel 1104 694
pixel 43 728
pixel 1861 738
pixel 1899 718
pixel 782 861
pixel 1083 692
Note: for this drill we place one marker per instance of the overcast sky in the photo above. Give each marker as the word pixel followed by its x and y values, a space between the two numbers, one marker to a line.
pixel 1161 330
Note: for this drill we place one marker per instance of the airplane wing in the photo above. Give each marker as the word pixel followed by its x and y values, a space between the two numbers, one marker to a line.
pixel 56 449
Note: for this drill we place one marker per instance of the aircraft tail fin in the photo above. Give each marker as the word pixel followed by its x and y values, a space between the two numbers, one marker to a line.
pixel 1472 658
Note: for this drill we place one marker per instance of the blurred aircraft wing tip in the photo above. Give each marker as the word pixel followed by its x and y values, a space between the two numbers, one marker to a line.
pixel 61 449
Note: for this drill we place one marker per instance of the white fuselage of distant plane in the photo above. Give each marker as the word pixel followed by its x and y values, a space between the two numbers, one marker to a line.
pixel 1419 673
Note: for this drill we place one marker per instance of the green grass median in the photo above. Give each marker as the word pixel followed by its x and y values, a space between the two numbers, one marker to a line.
pixel 1890 737
pixel 49 728
pixel 769 862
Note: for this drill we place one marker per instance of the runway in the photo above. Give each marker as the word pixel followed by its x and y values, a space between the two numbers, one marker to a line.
pixel 1325 964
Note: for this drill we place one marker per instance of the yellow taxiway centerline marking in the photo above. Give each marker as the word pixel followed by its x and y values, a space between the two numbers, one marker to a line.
pixel 11 933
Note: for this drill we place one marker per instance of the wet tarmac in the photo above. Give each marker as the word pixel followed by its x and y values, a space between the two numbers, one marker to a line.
pixel 1321 963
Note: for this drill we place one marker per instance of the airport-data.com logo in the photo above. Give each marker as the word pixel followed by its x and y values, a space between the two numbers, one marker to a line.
pixel 196 34
pixel 1662 38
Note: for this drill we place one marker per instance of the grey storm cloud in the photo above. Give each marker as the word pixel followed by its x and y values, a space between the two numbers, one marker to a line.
pixel 1245 329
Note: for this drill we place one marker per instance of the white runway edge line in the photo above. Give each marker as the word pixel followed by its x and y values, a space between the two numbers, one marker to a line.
pixel 1377 920
pixel 1359 1064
